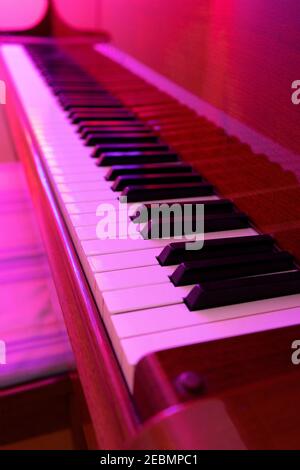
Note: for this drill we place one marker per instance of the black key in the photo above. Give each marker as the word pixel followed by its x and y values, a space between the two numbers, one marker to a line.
pixel 128 158
pixel 235 291
pixel 167 191
pixel 177 167
pixel 103 106
pixel 83 105
pixel 118 130
pixel 115 126
pixel 101 115
pixel 220 206
pixel 141 147
pixel 96 109
pixel 100 111
pixel 102 138
pixel 76 88
pixel 169 178
pixel 172 226
pixel 195 272
pixel 176 253
pixel 110 125
pixel 89 96
pixel 58 84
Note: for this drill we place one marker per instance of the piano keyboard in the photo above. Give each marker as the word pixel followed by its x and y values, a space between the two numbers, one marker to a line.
pixel 152 293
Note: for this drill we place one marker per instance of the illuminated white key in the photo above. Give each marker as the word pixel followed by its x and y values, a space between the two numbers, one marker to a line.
pixel 170 317
pixel 69 170
pixel 139 298
pixel 82 207
pixel 83 186
pixel 88 196
pixel 97 247
pixel 126 278
pixel 78 177
pixel 123 260
pixel 86 233
pixel 79 162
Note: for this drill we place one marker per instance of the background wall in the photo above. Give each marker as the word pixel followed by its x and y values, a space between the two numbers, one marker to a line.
pixel 21 14
pixel 239 55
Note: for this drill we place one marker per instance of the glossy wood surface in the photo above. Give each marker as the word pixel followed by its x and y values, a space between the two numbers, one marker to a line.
pixel 252 377
pixel 239 56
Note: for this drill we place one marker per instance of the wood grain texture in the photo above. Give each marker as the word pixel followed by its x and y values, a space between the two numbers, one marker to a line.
pixel 251 376
pixel 239 56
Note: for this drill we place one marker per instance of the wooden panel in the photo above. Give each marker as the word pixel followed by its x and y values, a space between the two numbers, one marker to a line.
pixel 221 365
pixel 261 416
pixel 243 393
pixel 239 56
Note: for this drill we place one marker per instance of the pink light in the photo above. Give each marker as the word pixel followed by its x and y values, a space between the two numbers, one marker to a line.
pixel 16 17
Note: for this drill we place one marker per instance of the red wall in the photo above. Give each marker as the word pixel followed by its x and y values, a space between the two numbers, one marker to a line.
pixel 239 55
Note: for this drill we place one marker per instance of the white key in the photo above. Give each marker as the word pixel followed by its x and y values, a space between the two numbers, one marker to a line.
pixel 101 247
pixel 79 162
pixel 83 186
pixel 110 245
pixel 69 171
pixel 82 207
pixel 88 196
pixel 78 177
pixel 132 350
pixel 84 219
pixel 126 278
pixel 72 159
pixel 125 260
pixel 93 246
pixel 139 298
pixel 178 316
pixel 88 208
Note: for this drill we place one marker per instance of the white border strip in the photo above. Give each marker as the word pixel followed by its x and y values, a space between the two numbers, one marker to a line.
pixel 258 142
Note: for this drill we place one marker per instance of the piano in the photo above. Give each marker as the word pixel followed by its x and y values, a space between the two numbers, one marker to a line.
pixel 175 347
